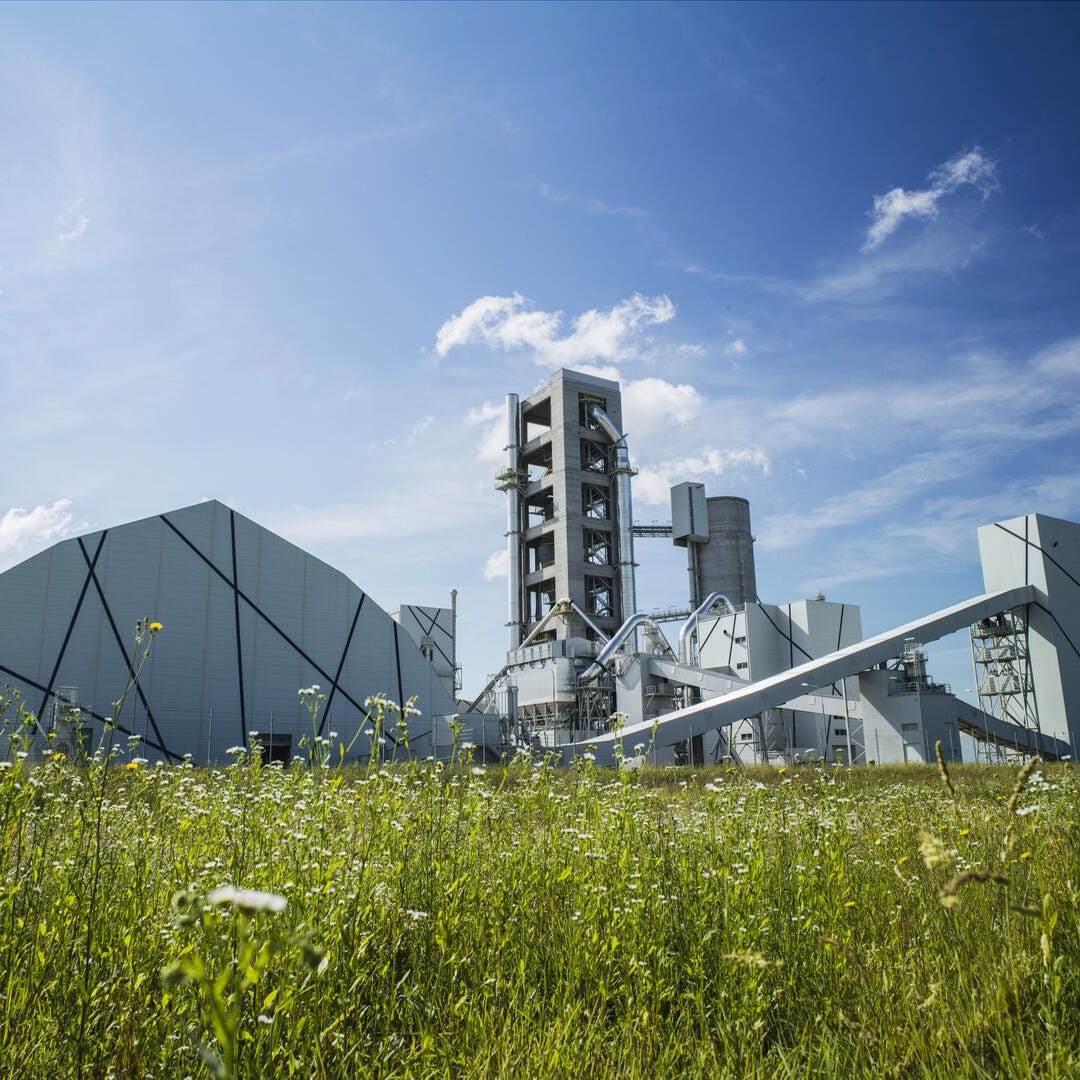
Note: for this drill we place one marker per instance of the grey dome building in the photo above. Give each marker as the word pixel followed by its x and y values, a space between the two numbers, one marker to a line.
pixel 248 620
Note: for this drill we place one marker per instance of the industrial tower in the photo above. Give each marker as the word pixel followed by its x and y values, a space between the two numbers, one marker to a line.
pixel 569 527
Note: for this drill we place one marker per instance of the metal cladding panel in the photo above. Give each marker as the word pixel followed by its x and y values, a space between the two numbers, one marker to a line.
pixel 230 659
pixel 32 603
pixel 1044 552
pixel 689 514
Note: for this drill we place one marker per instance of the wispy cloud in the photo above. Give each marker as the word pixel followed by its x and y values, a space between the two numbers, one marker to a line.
pixel 652 486
pixel 511 324
pixel 491 418
pixel 939 531
pixel 25 532
pixel 971 169
pixel 72 222
pixel 884 493
pixel 1020 402
pixel 588 204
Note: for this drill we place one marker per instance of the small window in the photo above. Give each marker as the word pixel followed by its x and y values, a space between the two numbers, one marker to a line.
pixel 741 640
pixel 741 666
pixel 279 748
pixel 747 736
pixel 909 727
pixel 839 731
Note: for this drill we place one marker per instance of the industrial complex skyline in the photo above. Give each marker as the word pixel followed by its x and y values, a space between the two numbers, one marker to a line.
pixel 293 258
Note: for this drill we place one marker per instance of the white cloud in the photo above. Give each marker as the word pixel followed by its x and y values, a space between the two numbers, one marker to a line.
pixel 72 222
pixel 492 417
pixel 418 429
pixel 652 404
pixel 25 532
pixel 652 486
pixel 508 323
pixel 497 565
pixel 736 348
pixel 1062 358
pixel 972 169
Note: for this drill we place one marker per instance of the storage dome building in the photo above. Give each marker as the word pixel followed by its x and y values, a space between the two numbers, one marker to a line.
pixel 249 619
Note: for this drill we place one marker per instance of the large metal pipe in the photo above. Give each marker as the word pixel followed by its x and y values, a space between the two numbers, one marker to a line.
pixel 624 513
pixel 628 628
pixel 513 518
pixel 563 607
pixel 689 628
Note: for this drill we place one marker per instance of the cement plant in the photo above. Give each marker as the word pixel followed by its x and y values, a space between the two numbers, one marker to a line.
pixel 719 676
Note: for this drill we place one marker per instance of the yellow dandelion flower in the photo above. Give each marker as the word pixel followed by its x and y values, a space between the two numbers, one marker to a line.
pixel 903 859
pixel 850 903
pixel 964 832
pixel 1025 855
pixel 781 770
pixel 59 756
pixel 155 627
pixel 131 765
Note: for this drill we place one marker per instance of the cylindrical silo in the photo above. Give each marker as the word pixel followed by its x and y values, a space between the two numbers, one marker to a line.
pixel 726 561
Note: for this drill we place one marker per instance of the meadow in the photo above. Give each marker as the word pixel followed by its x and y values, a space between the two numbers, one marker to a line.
pixel 426 920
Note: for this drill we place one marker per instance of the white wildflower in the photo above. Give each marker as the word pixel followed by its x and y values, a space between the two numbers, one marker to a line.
pixel 248 900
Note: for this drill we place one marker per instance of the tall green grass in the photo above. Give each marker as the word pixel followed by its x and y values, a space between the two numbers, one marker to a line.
pixel 531 922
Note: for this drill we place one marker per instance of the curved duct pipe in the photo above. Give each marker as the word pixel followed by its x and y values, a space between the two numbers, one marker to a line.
pixel 561 607
pixel 688 630
pixel 513 518
pixel 608 651
pixel 624 512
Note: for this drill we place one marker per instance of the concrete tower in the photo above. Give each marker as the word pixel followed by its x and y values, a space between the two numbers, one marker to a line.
pixel 568 528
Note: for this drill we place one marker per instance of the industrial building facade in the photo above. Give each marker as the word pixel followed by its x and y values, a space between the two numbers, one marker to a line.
pixel 249 619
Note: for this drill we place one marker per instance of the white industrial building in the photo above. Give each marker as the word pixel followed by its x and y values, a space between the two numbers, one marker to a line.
pixel 249 619
pixel 746 680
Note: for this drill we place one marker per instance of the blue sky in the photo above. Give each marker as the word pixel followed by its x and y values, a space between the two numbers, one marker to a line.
pixel 293 257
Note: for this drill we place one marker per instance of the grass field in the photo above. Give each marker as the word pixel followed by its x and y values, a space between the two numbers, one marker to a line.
pixel 416 920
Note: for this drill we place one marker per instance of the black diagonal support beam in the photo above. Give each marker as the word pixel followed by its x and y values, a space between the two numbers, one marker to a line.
pixel 434 623
pixel 71 626
pixel 239 647
pixel 790 639
pixel 397 660
pixel 88 711
pixel 341 664
pixel 128 660
pixel 1041 550
pixel 270 622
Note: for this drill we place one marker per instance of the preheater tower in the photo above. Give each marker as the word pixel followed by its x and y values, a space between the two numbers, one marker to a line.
pixel 569 531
